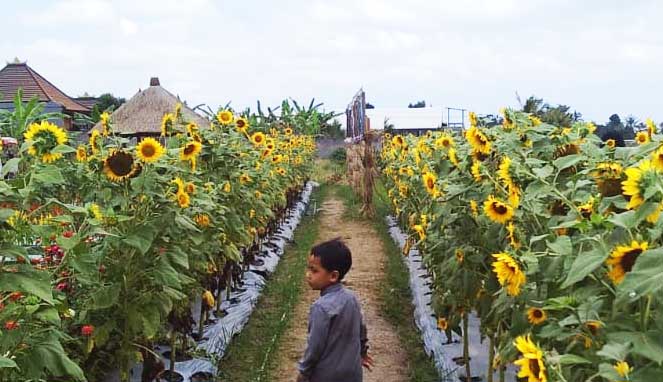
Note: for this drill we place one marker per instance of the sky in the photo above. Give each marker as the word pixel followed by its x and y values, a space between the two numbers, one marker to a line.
pixel 599 57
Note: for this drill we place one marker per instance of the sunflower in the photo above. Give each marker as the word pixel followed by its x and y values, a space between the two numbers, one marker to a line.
pixel 535 120
pixel 508 273
pixel 190 150
pixel 445 141
pixel 503 171
pixel 258 138
pixel 476 170
pixel 420 230
pixel 514 195
pixel 397 141
pixel 641 137
pixel 460 255
pixel 657 159
pixel 287 131
pixel 442 323
pixel 473 119
pixel 190 188
pixel 183 199
pixel 242 124
pixel 593 327
pixel 429 180
pixel 651 127
pixel 585 210
pixel 149 150
pixel 43 137
pixel 225 117
pixel 81 153
pixel 180 184
pixel 452 157
pixel 623 258
pixel 104 118
pixel 281 171
pixel 119 165
pixel 497 210
pixel 191 128
pixel 95 211
pixel 611 143
pixel 536 316
pixel 531 364
pixel 637 180
pixel 622 368
pixel 167 124
pixel 202 220
pixel 474 207
pixel 478 140
pixel 94 142
pixel 244 179
pixel 227 188
pixel 257 194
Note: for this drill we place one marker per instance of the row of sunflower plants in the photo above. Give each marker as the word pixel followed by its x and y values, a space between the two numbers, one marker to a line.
pixel 104 244
pixel 549 235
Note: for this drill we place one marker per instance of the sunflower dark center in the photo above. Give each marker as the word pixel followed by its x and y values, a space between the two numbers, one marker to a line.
pixel 629 258
pixel 188 150
pixel 534 367
pixel 148 150
pixel 121 163
pixel 537 313
pixel 500 208
pixel 240 123
pixel 258 138
pixel 430 183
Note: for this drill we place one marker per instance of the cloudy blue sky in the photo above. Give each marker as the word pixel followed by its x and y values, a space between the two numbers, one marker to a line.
pixel 600 57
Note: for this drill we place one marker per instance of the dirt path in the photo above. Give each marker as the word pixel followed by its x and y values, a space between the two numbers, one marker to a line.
pixel 364 278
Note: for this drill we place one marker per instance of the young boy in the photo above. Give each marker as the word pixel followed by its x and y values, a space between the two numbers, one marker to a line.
pixel 337 345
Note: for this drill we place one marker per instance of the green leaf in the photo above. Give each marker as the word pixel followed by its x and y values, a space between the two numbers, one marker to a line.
pixel 48 175
pixel 625 220
pixel 63 149
pixel 562 245
pixel 614 350
pixel 567 161
pixel 105 297
pixel 51 356
pixel 10 166
pixel 6 363
pixel 646 277
pixel 29 282
pixel 543 172
pixel 648 345
pixel 49 315
pixel 584 264
pixel 141 238
pixel 572 359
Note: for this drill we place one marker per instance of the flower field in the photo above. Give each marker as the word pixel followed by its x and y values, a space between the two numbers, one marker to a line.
pixel 552 237
pixel 106 244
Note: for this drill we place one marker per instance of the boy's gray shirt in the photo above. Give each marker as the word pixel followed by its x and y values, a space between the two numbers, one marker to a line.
pixel 336 338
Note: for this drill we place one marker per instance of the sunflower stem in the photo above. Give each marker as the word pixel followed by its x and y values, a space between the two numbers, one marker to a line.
pixel 644 315
pixel 173 346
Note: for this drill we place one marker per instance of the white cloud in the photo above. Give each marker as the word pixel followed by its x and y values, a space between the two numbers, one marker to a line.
pixel 599 57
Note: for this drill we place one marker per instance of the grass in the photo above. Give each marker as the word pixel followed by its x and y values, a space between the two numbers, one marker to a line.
pixel 251 355
pixel 395 296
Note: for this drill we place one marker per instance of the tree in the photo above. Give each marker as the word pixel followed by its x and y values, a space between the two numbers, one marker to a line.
pixel 388 126
pixel 106 102
pixel 419 104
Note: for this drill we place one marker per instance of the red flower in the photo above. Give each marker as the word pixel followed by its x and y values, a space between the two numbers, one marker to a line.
pixel 102 268
pixel 2 306
pixel 62 286
pixel 14 296
pixel 68 234
pixel 35 261
pixel 87 330
pixel 11 325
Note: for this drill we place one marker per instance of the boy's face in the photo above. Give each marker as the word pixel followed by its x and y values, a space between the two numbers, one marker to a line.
pixel 317 276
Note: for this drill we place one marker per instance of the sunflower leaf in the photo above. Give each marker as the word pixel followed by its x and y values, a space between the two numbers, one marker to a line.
pixel 584 264
pixel 567 161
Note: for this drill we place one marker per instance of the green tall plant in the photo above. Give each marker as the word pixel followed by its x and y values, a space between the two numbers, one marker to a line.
pixel 13 123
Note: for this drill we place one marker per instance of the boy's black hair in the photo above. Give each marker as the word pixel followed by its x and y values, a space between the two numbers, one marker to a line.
pixel 334 255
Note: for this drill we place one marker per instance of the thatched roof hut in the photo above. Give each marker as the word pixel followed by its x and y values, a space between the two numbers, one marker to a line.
pixel 141 115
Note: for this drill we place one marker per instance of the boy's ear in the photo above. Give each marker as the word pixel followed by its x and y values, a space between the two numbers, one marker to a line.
pixel 335 275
